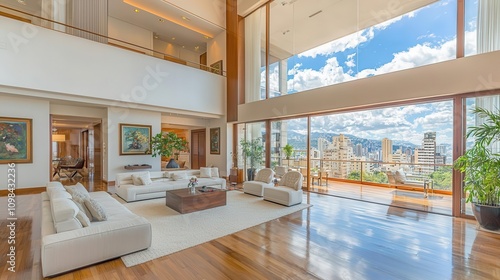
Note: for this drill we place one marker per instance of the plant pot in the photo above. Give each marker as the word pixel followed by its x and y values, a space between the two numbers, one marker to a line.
pixel 487 216
pixel 250 174
pixel 172 164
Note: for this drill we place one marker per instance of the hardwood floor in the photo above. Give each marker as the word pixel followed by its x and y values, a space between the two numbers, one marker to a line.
pixel 337 238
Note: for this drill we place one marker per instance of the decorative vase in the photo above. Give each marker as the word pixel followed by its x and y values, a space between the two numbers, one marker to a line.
pixel 172 164
pixel 192 190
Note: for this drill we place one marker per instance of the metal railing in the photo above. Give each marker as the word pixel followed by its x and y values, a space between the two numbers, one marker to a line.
pixel 413 175
pixel 29 18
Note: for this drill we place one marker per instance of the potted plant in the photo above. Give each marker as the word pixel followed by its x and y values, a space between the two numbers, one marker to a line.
pixel 288 150
pixel 168 144
pixel 481 167
pixel 253 150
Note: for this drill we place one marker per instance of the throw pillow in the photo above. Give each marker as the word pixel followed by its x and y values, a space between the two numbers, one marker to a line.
pixel 78 187
pixel 79 200
pixel 84 220
pixel 400 176
pixel 214 171
pixel 176 176
pixel 145 179
pixel 96 209
pixel 205 172
pixel 135 178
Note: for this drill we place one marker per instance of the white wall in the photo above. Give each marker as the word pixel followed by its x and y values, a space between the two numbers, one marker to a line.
pixel 81 70
pixel 116 162
pixel 469 74
pixel 216 50
pixel 124 31
pixel 34 174
pixel 191 57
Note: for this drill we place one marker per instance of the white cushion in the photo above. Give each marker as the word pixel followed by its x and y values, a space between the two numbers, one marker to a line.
pixel 205 172
pixel 83 219
pixel 63 209
pixel 136 176
pixel 58 193
pixel 64 213
pixel 78 187
pixel 145 179
pixel 265 175
pixel 214 172
pixel 96 209
pixel 176 176
pixel 54 184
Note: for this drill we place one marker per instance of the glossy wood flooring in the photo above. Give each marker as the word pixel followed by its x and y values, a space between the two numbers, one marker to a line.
pixel 335 239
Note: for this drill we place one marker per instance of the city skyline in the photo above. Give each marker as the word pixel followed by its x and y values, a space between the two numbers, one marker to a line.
pixel 403 124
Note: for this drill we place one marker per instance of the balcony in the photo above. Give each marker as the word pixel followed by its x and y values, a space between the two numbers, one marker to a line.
pixel 375 182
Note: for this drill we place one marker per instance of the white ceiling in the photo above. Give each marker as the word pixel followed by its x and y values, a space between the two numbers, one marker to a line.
pixel 300 25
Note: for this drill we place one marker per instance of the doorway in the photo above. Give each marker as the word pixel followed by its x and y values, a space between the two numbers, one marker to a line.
pixel 75 149
pixel 198 148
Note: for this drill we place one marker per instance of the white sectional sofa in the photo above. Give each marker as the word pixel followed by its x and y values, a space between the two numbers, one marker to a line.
pixel 161 181
pixel 68 243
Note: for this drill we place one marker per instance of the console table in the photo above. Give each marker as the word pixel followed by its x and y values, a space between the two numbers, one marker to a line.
pixel 137 166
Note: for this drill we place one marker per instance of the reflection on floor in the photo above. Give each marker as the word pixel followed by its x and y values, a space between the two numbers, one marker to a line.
pixel 436 203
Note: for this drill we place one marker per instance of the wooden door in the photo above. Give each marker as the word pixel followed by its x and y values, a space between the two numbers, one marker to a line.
pixel 198 150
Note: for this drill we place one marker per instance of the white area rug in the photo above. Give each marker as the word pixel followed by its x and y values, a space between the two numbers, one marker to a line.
pixel 173 232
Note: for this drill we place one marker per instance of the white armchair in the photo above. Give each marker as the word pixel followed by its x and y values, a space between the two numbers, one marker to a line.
pixel 289 190
pixel 263 178
pixel 280 171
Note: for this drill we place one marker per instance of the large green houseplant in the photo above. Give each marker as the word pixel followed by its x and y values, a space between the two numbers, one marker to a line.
pixel 168 144
pixel 288 150
pixel 252 150
pixel 481 167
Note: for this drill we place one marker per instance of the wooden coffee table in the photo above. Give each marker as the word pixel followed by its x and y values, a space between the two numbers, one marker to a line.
pixel 183 201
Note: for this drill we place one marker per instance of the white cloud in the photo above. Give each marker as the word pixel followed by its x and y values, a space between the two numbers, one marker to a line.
pixel 406 123
pixel 332 72
pixel 352 41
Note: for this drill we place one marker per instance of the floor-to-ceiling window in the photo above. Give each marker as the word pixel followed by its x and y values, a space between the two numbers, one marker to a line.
pixel 314 44
pixel 255 134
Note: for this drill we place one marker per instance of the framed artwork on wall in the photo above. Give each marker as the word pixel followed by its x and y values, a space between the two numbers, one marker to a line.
pixel 135 139
pixel 16 140
pixel 215 141
pixel 216 67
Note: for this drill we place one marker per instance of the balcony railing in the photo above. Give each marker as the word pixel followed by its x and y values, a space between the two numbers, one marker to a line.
pixel 409 175
pixel 29 18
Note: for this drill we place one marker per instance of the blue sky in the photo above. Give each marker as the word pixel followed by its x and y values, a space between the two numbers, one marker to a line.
pixel 423 36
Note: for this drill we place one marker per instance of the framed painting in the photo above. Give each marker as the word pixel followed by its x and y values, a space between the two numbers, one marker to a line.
pixel 16 140
pixel 215 141
pixel 135 139
pixel 216 67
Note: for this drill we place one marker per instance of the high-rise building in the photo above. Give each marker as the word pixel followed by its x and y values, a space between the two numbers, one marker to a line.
pixel 441 149
pixel 358 151
pixel 386 150
pixel 322 146
pixel 340 152
pixel 426 155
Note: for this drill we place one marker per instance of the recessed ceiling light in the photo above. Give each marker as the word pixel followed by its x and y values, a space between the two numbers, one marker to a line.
pixel 137 10
pixel 156 36
pixel 161 20
pixel 173 38
pixel 21 2
pixel 206 37
pixel 185 18
pixel 197 47
pixel 183 47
